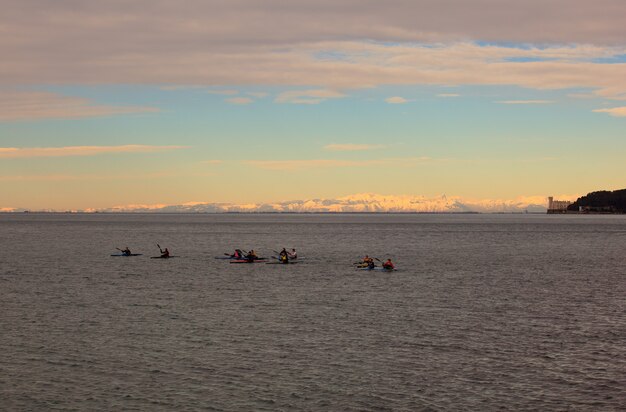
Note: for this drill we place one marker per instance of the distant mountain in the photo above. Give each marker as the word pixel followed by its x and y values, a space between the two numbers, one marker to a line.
pixel 359 203
pixel 601 202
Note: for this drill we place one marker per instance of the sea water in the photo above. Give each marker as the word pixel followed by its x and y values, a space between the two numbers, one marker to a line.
pixel 486 312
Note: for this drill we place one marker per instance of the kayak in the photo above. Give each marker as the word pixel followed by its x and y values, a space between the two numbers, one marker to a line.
pixel 163 257
pixel 259 260
pixel 132 254
pixel 226 257
pixel 290 259
pixel 281 263
pixel 379 269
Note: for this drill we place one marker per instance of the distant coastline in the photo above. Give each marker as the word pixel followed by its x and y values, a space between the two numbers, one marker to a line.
pixel 600 202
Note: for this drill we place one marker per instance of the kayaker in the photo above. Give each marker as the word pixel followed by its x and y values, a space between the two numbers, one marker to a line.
pixel 367 260
pixel 251 256
pixel 165 253
pixel 125 252
pixel 283 256
pixel 371 264
pixel 238 254
pixel 388 264
pixel 292 254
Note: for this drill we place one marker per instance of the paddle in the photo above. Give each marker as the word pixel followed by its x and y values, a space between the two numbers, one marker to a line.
pixel 162 251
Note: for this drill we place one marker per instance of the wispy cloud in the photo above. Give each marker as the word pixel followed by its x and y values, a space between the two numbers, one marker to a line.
pixel 240 100
pixel 525 102
pixel 448 95
pixel 314 96
pixel 396 100
pixel 14 152
pixel 348 147
pixel 156 175
pixel 582 96
pixel 224 92
pixel 613 111
pixel 19 106
pixel 176 87
pixel 333 163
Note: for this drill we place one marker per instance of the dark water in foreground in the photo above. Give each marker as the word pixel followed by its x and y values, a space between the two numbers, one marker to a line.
pixel 515 312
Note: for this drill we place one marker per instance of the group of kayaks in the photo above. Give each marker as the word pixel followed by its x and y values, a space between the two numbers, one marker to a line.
pixel 368 263
pixel 281 258
pixel 165 253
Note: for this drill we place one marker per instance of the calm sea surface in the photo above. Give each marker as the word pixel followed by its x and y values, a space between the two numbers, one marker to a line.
pixel 487 312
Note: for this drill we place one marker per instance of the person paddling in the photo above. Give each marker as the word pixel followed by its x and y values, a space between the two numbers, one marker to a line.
pixel 292 254
pixel 388 265
pixel 368 261
pixel 251 256
pixel 164 253
pixel 125 252
pixel 283 256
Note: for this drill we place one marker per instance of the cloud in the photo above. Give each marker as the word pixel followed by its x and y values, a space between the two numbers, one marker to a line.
pixel 202 24
pixel 614 111
pixel 321 44
pixel 396 100
pixel 448 95
pixel 14 152
pixel 333 163
pixel 223 92
pixel 22 106
pixel 315 96
pixel 526 102
pixel 239 100
pixel 176 87
pixel 352 147
pixel 258 95
pixel 151 176
pixel 300 164
pixel 582 96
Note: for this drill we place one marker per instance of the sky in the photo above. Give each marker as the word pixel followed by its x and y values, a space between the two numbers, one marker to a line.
pixel 112 103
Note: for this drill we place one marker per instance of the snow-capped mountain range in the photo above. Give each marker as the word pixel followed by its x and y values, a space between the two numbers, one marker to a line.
pixel 358 203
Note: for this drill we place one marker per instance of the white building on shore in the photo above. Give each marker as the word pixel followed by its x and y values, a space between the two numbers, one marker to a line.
pixel 557 206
